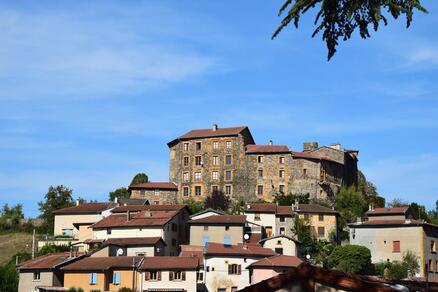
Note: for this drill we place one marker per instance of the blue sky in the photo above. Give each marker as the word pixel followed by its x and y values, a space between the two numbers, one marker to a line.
pixel 90 93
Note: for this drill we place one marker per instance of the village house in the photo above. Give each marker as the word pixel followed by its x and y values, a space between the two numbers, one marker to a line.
pixel 226 266
pixel 282 245
pixel 391 232
pixel 269 267
pixel 135 246
pixel 44 272
pixel 157 193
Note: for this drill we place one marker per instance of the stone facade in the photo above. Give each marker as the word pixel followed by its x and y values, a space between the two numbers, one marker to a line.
pixel 227 159
pixel 157 193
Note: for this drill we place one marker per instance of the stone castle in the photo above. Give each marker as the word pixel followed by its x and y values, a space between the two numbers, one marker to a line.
pixel 228 160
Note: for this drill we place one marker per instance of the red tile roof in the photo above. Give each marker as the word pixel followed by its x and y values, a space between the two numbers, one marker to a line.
pixel 102 263
pixel 192 251
pixel 137 208
pixel 278 261
pixel 208 133
pixel 155 185
pixel 388 211
pixel 390 223
pixel 48 261
pixel 284 210
pixel 243 250
pixel 170 263
pixel 253 149
pixel 261 207
pixel 305 155
pixel 314 208
pixel 288 210
pixel 156 218
pixel 220 219
pixel 133 241
pixel 86 208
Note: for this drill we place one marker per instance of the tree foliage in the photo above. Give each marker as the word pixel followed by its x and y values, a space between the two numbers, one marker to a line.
pixel 395 271
pixel 289 199
pixel 56 198
pixel 339 19
pixel 354 259
pixel 194 205
pixel 397 202
pixel 11 217
pixel 350 203
pixel 217 200
pixel 139 178
pixel 119 193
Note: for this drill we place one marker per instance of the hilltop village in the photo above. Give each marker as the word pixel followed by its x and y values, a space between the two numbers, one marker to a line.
pixel 153 242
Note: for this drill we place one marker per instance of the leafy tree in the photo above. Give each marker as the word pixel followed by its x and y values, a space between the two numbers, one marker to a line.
pixel 396 271
pixel 321 250
pixel 74 289
pixel 366 187
pixel 289 199
pixel 338 20
pixel 8 277
pixel 10 218
pixel 119 193
pixel 354 259
pixel 419 212
pixel 194 206
pixel 433 214
pixel 351 204
pixel 56 198
pixel 237 206
pixel 397 202
pixel 52 248
pixel 217 200
pixel 139 178
pixel 379 268
pixel 410 262
pixel 376 201
pixel 124 289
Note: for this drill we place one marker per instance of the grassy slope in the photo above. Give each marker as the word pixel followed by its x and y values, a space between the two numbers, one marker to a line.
pixel 12 243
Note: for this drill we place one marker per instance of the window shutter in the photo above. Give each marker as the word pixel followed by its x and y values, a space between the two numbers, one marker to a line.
pixel 183 275
pixel 91 278
pixel 170 276
pixel 230 269
pixel 239 269
pixel 147 276
pixel 159 275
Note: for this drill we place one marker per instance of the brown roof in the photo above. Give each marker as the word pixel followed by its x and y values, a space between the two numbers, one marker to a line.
pixel 208 133
pixel 48 261
pixel 133 241
pixel 102 263
pixel 306 275
pixel 85 208
pixel 155 185
pixel 220 219
pixel 137 208
pixel 278 261
pixel 314 208
pixel 135 202
pixel 305 155
pixel 169 263
pixel 388 211
pixel 156 218
pixel 390 223
pixel 193 251
pixel 284 210
pixel 244 250
pixel 261 207
pixel 253 149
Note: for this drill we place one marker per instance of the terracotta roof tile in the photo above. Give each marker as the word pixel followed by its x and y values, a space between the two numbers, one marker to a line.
pixel 261 207
pixel 102 263
pixel 48 261
pixel 253 149
pixel 387 211
pixel 278 261
pixel 314 208
pixel 133 241
pixel 208 133
pixel 155 185
pixel 241 249
pixel 137 208
pixel 86 208
pixel 284 210
pixel 220 219
pixel 192 251
pixel 169 263
pixel 305 155
pixel 157 218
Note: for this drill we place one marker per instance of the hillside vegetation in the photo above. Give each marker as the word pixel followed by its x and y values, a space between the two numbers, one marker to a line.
pixel 12 243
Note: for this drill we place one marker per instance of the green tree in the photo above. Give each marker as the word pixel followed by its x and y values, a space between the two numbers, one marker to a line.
pixel 419 212
pixel 194 206
pixel 396 271
pixel 354 259
pixel 433 214
pixel 237 206
pixel 217 200
pixel 11 217
pixel 56 198
pixel 52 248
pixel 289 199
pixel 338 20
pixel 397 202
pixel 410 262
pixel 139 178
pixel 351 204
pixel 119 193
pixel 364 186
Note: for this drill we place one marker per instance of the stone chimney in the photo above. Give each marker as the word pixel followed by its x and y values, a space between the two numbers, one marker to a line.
pixel 309 146
pixel 78 202
pixel 336 146
pixel 270 143
pixel 214 128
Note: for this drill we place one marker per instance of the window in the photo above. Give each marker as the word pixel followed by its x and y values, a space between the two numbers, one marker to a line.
pixel 186 161
pixel 198 160
pixel 153 276
pixel 227 228
pixel 215 175
pixel 215 160
pixel 156 192
pixel 234 269
pixel 205 228
pixel 177 276
pixel 396 246
pixel 321 231
pixel 430 266
pixel 221 289
pixel 198 146
pixel 281 173
pixel 281 218
pixel 260 190
pixel 93 278
pixel 228 175
pixel 215 145
pixel 198 175
pixel 281 160
pixel 432 246
pixel 204 240
pixel 281 188
pixel 197 190
pixel 36 276
pixel 257 216
pixel 185 191
pixel 116 278
pixel 186 147
pixel 260 172
pixel 304 171
pixel 67 232
pixel 227 240
pixel 229 144
pixel 108 231
pixel 214 189
pixel 200 276
pixel 186 176
pixel 228 190
pixel 321 217
pixel 281 230
pixel 156 202
pixel 260 159
pixel 228 159
pixel 279 250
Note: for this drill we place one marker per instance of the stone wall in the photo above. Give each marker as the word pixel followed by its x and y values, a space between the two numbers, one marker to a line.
pixel 155 197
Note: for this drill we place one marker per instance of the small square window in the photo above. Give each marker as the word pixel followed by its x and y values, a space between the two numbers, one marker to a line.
pixel 214 189
pixel 321 231
pixel 215 145
pixel 108 231
pixel 198 160
pixel 186 191
pixel 215 160
pixel 281 188
pixel 215 175
pixel 281 173
pixel 36 276
pixel 260 173
pixel 227 228
pixel 281 160
pixel 257 216
pixel 228 175
pixel 260 159
pixel 304 171
pixel 260 190
pixel 197 190
pixel 205 228
pixel 281 218
pixel 228 159
pixel 156 192
pixel 306 216
pixel 229 144
pixel 197 176
pixel 282 230
pixel 321 217
pixel 186 176
pixel 186 161
pixel 228 190
pixel 186 147
pixel 198 146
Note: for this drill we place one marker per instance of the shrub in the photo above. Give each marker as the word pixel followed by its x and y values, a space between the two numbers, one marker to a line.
pixel 74 289
pixel 350 259
pixel 396 271
pixel 124 289
pixel 410 262
pixel 379 268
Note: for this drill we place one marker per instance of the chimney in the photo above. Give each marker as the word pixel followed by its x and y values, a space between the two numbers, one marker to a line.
pixel 370 207
pixel 77 202
pixel 214 128
pixel 336 146
pixel 270 142
pixel 116 200
pixel 128 215
pixel 310 146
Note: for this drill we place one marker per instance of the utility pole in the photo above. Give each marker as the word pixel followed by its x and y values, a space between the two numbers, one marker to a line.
pixel 33 244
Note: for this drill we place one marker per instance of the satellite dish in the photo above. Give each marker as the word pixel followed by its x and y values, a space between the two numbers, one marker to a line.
pixel 246 236
pixel 119 252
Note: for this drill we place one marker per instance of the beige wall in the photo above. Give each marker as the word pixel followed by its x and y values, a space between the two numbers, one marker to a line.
pixel 82 279
pixel 189 284
pixel 27 284
pixel 289 246
pixel 215 233
pixel 66 222
pixel 266 220
pixel 261 274
pixel 329 223
pixel 125 280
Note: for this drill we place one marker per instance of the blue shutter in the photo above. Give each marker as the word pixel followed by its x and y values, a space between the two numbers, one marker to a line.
pixel 204 240
pixel 227 240
pixel 116 278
